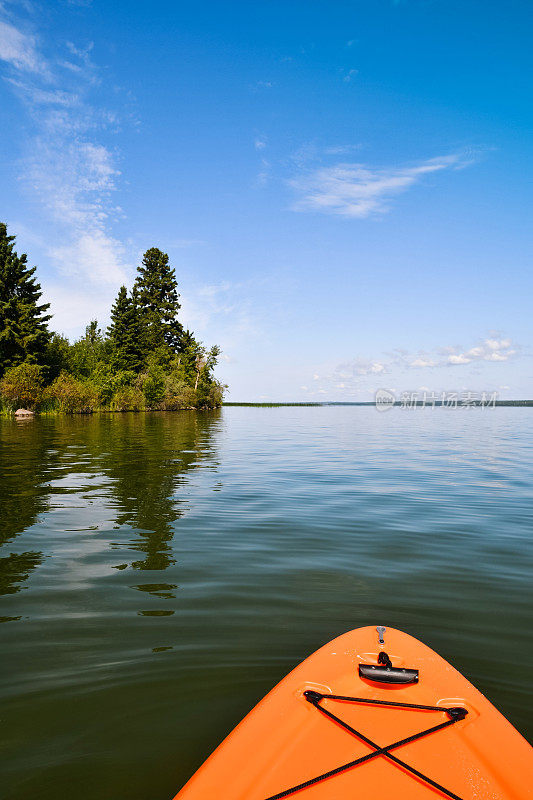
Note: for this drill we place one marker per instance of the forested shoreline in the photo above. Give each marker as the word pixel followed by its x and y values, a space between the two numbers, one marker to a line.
pixel 144 360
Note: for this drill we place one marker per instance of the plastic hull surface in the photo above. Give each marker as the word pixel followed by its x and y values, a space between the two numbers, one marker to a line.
pixel 285 740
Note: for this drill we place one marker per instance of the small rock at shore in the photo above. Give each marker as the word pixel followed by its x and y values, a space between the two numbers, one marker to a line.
pixel 23 412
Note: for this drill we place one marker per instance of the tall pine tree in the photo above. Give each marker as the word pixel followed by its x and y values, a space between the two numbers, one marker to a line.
pixel 24 331
pixel 125 333
pixel 158 303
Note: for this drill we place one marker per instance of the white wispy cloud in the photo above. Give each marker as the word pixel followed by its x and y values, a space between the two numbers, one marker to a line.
pixel 74 178
pixel 362 366
pixel 38 96
pixel 96 254
pixel 350 75
pixel 19 49
pixel 341 149
pixel 263 175
pixel 74 306
pixel 487 350
pixel 421 361
pixel 67 168
pixel 352 375
pixel 222 310
pixel 357 190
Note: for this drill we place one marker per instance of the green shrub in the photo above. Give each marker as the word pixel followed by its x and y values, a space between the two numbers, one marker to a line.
pixel 154 388
pixel 186 398
pixel 209 393
pixel 174 382
pixel 103 380
pixel 216 394
pixel 160 358
pixel 22 386
pixel 73 395
pixel 87 353
pixel 128 398
pixel 178 393
pixel 109 382
pixel 48 404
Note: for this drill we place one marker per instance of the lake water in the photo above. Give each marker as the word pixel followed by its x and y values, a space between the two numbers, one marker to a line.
pixel 160 573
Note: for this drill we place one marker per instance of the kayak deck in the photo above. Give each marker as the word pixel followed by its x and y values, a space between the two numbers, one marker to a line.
pixel 321 733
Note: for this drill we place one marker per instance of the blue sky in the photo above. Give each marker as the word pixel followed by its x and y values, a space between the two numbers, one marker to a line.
pixel 343 187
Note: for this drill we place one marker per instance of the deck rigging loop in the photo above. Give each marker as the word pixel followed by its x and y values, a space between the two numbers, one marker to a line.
pixel 454 714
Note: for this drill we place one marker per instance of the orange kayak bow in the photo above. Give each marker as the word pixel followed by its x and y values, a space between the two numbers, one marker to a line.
pixel 373 713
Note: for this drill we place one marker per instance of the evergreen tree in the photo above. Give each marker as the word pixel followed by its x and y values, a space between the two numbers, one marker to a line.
pixel 125 333
pixel 57 356
pixel 24 332
pixel 158 303
pixel 93 334
pixel 89 351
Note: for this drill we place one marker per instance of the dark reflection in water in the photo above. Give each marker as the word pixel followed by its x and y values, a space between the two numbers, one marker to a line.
pixel 26 460
pixel 147 463
pixel 157 589
pixel 15 568
pixel 142 460
pixel 156 613
pixel 26 457
pixel 160 572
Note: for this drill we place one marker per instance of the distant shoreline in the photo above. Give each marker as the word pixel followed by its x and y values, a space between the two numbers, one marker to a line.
pixel 418 403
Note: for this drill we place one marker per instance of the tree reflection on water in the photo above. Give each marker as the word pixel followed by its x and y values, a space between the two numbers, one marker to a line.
pixel 132 465
pixel 148 460
pixel 26 459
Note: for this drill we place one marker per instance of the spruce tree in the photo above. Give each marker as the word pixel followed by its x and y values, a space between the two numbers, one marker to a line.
pixel 158 303
pixel 24 334
pixel 125 333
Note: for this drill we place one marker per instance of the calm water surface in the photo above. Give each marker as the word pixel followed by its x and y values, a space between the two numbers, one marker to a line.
pixel 159 573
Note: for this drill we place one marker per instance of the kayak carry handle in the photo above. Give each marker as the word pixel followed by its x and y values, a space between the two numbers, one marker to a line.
pixel 388 674
pixel 384 672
